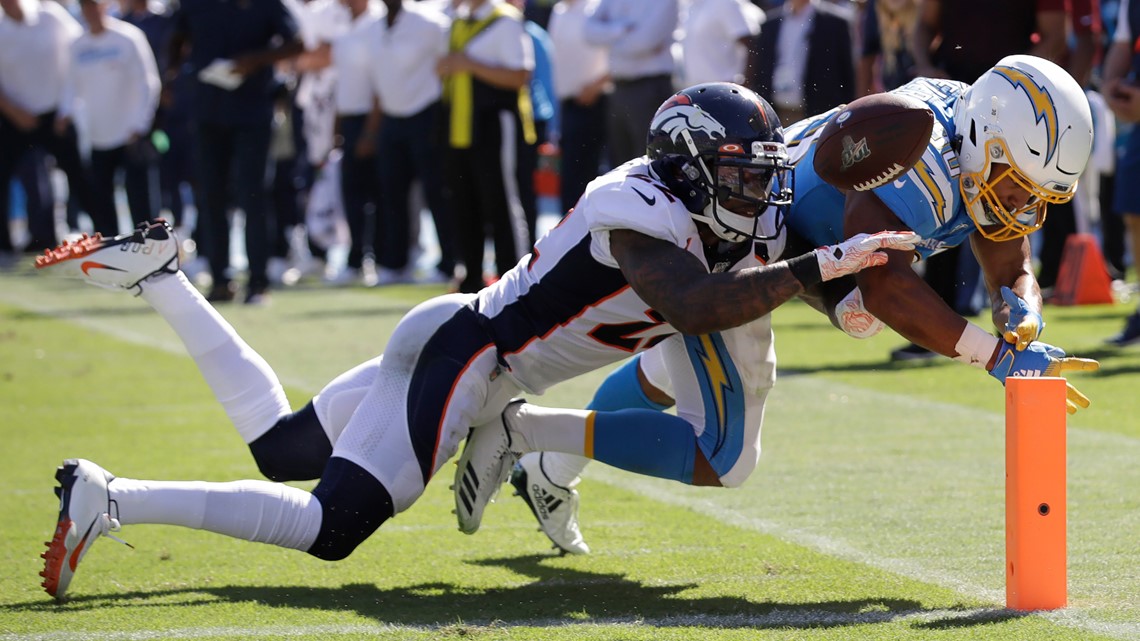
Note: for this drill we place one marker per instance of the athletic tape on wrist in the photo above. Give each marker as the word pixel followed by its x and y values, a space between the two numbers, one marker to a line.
pixel 806 269
pixel 975 346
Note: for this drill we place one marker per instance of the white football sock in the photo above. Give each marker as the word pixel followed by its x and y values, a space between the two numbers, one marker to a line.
pixel 544 429
pixel 562 469
pixel 240 378
pixel 259 511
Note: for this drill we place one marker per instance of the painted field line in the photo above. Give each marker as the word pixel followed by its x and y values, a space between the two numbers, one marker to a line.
pixel 774 619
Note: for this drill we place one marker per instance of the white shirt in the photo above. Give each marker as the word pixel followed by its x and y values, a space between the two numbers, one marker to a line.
pixel 576 63
pixel 34 55
pixel 352 61
pixel 319 21
pixel 505 43
pixel 712 51
pixel 404 75
pixel 791 58
pixel 639 34
pixel 114 75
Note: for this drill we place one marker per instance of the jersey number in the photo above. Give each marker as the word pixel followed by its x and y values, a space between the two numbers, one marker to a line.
pixel 623 336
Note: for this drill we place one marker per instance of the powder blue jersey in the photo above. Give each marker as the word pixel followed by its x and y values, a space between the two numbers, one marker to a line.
pixel 926 199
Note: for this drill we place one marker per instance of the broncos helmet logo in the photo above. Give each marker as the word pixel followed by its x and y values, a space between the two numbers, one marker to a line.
pixel 1044 110
pixel 675 118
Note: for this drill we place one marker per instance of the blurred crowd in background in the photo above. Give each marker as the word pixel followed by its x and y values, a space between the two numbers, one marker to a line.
pixel 372 142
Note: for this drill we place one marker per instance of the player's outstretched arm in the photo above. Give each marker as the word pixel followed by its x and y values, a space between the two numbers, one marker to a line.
pixel 676 284
pixel 895 293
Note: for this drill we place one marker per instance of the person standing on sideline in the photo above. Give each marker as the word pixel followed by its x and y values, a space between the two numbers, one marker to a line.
pixel 114 77
pixel 487 108
pixel 1122 91
pixel 410 40
pixel 232 49
pixel 639 38
pixel 35 38
pixel 581 80
pixel 804 62
pixel 717 34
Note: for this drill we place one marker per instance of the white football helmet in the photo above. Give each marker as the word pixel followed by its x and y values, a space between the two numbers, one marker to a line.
pixel 1032 117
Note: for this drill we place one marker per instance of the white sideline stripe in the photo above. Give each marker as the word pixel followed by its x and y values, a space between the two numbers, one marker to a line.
pixel 139 338
pixel 775 619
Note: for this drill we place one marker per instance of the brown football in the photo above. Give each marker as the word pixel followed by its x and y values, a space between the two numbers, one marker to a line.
pixel 872 141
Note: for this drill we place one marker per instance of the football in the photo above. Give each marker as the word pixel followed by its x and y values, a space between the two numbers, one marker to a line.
pixel 872 141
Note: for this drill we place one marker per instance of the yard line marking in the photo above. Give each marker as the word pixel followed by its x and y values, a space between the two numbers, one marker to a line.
pixel 773 619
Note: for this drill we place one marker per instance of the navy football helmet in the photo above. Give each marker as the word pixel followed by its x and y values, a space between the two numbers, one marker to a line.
pixel 720 148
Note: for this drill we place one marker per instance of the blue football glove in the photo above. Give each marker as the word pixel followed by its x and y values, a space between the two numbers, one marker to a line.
pixel 1042 359
pixel 1024 325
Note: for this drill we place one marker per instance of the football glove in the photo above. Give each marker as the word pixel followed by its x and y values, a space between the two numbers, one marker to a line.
pixel 861 251
pixel 1042 359
pixel 1024 325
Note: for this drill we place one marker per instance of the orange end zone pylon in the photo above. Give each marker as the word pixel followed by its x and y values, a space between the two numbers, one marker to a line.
pixel 1035 565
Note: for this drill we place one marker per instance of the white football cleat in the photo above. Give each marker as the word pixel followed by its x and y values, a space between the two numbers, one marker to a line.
pixel 555 507
pixel 84 516
pixel 486 462
pixel 122 262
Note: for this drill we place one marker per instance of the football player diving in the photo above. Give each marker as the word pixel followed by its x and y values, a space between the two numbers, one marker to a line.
pixel 1002 149
pixel 660 252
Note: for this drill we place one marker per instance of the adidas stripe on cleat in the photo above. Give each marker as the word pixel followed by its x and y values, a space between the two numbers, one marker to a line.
pixel 555 507
pixel 84 516
pixel 486 462
pixel 122 262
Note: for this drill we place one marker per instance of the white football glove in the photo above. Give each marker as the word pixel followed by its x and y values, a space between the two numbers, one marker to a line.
pixel 861 251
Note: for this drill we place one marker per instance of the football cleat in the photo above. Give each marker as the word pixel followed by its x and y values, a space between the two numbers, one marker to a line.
pixel 122 262
pixel 84 516
pixel 555 507
pixel 483 467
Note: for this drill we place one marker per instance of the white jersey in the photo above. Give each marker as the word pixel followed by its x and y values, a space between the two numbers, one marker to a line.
pixel 566 309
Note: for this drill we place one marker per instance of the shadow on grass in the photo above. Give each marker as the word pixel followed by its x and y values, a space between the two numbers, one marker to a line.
pixel 556 596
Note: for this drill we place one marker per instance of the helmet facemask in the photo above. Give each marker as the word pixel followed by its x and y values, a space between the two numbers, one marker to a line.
pixel 994 221
pixel 744 190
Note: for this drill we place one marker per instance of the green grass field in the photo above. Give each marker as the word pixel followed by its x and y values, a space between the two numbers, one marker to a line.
pixel 877 511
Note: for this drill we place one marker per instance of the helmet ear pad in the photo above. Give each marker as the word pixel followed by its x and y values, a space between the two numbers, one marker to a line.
pixel 685 179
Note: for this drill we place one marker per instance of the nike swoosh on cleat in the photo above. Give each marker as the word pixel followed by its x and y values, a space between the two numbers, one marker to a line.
pixel 90 264
pixel 73 560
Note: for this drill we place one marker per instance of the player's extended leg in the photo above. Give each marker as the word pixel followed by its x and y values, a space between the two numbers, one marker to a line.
pixel 286 445
pixel 396 439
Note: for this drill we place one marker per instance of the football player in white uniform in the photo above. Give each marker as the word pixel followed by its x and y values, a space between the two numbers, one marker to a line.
pixel 630 269
pixel 1001 150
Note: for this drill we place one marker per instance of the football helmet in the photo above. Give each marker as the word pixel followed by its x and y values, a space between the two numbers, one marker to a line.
pixel 720 148
pixel 1026 119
